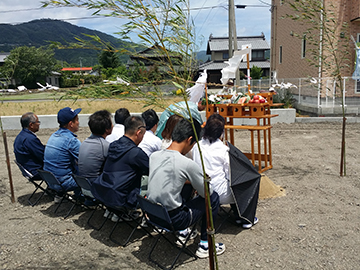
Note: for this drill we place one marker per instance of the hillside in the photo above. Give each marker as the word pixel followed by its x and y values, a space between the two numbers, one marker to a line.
pixel 43 32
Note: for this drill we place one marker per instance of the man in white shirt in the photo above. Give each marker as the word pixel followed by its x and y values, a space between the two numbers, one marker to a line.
pixel 118 130
pixel 150 142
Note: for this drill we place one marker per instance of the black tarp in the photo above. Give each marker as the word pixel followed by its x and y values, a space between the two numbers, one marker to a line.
pixel 244 183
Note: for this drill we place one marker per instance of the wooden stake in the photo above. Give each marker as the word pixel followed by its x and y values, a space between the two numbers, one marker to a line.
pixel 248 72
pixel 9 168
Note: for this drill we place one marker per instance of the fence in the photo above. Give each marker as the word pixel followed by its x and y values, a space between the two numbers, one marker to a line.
pixel 312 92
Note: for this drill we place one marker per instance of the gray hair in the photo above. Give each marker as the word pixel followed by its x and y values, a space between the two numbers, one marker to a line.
pixel 27 118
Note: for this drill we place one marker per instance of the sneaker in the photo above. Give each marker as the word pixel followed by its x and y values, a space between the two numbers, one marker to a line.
pixel 249 225
pixel 90 204
pixel 158 230
pixel 203 252
pixel 144 223
pixel 107 214
pixel 57 199
pixel 115 218
pixel 183 237
pixel 133 214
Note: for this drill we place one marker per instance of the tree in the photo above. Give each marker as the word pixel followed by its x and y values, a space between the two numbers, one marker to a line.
pixel 329 46
pixel 256 73
pixel 108 58
pixel 28 64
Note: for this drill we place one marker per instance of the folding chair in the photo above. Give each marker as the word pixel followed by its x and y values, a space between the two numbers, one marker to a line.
pixel 125 217
pixel 225 215
pixel 29 177
pixel 52 181
pixel 156 213
pixel 122 213
pixel 85 186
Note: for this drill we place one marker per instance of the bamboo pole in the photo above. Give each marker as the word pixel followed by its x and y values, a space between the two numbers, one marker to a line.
pixel 342 156
pixel 210 227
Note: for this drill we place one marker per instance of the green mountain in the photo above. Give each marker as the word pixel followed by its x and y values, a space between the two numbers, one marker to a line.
pixel 43 32
pixel 202 56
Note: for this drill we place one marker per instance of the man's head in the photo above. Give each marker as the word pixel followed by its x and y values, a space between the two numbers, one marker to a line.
pixel 68 118
pixel 183 132
pixel 214 127
pixel 121 115
pixel 100 123
pixel 151 118
pixel 201 106
pixel 135 128
pixel 30 121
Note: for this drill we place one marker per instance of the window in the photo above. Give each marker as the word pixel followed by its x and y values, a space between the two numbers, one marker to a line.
pixel 226 55
pixel 49 80
pixel 280 55
pixel 358 37
pixel 357 86
pixel 257 55
pixel 303 47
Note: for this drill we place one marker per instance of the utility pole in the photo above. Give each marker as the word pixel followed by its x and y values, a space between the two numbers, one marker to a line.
pixel 231 16
pixel 80 65
pixel 233 36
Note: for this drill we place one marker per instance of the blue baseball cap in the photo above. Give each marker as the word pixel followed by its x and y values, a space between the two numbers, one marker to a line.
pixel 65 115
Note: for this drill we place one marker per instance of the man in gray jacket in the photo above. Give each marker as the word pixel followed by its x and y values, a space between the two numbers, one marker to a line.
pixel 169 170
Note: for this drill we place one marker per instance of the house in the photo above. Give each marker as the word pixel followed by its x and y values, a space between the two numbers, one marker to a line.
pixel 79 70
pixel 218 48
pixel 154 56
pixel 5 82
pixel 2 57
pixel 54 78
pixel 289 55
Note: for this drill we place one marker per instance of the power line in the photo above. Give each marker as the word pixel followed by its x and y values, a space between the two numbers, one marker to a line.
pixel 25 9
pixel 69 19
pixel 195 8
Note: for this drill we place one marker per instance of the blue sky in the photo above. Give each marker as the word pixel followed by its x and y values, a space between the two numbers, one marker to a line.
pixel 249 21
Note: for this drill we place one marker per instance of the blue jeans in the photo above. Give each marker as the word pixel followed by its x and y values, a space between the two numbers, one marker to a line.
pixel 192 211
pixel 68 185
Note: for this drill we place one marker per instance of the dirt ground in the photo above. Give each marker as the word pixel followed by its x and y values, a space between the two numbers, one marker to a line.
pixel 315 226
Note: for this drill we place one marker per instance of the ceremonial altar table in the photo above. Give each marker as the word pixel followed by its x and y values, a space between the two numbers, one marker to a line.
pixel 260 154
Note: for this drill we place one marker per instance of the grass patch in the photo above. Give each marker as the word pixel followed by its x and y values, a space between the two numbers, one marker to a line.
pixel 45 107
pixel 30 96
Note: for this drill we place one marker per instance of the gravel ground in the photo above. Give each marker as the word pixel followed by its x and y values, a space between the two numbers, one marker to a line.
pixel 315 226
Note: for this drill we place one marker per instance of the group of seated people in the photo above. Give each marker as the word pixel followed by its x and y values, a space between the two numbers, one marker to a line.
pixel 116 159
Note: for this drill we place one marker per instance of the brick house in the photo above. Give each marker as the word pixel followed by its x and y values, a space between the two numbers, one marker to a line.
pixel 288 52
pixel 218 48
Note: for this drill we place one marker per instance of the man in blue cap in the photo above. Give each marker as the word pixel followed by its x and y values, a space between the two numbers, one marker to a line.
pixel 62 150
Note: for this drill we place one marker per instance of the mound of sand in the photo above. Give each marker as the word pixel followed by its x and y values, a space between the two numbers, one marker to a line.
pixel 268 189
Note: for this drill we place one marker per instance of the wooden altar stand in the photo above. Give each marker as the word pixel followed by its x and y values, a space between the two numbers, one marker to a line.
pixel 260 134
pixel 260 154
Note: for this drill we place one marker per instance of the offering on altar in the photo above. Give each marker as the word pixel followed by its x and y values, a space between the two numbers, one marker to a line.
pixel 240 104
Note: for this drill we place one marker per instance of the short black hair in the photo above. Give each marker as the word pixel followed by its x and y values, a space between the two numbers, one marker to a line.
pixel 99 122
pixel 27 118
pixel 132 124
pixel 151 118
pixel 214 127
pixel 184 130
pixel 121 115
